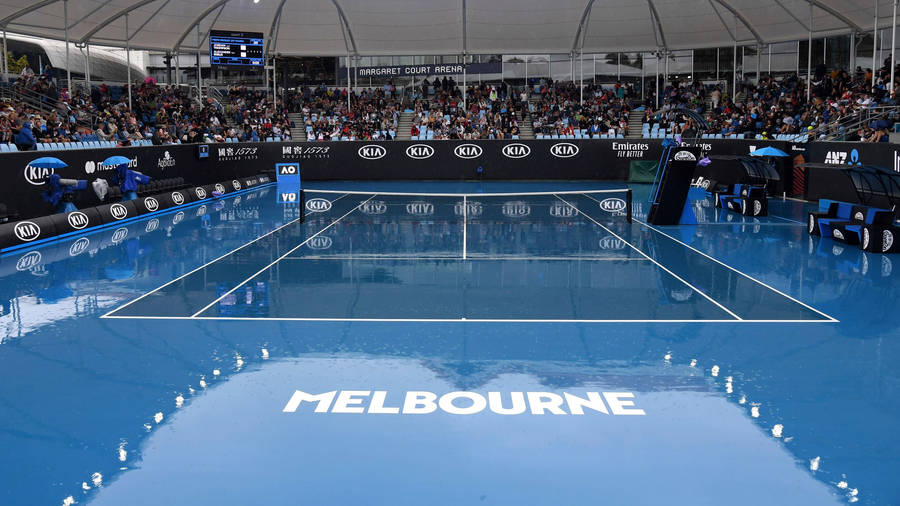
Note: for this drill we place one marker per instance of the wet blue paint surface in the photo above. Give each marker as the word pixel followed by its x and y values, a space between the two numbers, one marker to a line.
pixel 190 411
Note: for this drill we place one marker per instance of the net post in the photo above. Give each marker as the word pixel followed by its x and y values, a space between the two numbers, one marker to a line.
pixel 628 205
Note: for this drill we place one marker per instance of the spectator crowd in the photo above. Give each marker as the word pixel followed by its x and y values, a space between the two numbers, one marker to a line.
pixel 440 110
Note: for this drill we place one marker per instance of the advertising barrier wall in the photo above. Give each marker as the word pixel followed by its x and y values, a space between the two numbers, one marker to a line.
pixel 835 185
pixel 599 159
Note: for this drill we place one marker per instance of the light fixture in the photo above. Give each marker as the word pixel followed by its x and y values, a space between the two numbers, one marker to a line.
pixel 256 1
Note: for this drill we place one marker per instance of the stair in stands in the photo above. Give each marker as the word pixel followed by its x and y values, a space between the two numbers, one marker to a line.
pixel 404 125
pixel 635 122
pixel 298 131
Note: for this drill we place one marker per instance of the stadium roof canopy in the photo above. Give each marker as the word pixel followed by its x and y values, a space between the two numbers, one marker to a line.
pixel 425 27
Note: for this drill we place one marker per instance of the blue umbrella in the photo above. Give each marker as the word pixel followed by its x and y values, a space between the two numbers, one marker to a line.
pixel 48 162
pixel 769 151
pixel 116 161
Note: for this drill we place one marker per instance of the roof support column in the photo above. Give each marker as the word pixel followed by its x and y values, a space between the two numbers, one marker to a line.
pixel 348 81
pixel 68 65
pixel 893 45
pixel 758 57
pixel 656 91
pixel 87 67
pixel 734 72
pixel 199 72
pixel 5 60
pixel 464 84
pixel 874 47
pixel 809 56
pixel 128 60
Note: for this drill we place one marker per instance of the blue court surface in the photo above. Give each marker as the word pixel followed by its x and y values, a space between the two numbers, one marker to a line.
pixel 449 344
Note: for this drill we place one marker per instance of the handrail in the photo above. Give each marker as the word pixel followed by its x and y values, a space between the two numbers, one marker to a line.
pixel 838 130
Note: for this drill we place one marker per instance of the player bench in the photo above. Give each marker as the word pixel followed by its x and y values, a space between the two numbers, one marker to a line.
pixel 872 228
pixel 742 198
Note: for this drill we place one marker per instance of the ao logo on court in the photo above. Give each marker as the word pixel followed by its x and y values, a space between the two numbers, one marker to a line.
pixel 420 151
pixel 320 242
pixel 318 205
pixel 152 225
pixel 201 193
pixel 516 150
pixel 374 207
pixel 371 152
pixel 27 231
pixel 564 150
pixel 151 204
pixel 468 151
pixel 77 220
pixel 179 216
pixel 118 211
pixel 420 208
pixel 289 197
pixel 177 198
pixel 28 261
pixel 613 205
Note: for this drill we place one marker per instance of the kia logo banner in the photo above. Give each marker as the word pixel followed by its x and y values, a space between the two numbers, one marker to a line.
pixel 118 211
pixel 77 220
pixel 151 204
pixel 37 175
pixel 372 152
pixel 516 150
pixel 468 151
pixel 27 231
pixel 419 151
pixel 564 150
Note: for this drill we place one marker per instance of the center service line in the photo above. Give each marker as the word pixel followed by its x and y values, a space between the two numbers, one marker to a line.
pixel 661 266
pixel 207 264
pixel 295 248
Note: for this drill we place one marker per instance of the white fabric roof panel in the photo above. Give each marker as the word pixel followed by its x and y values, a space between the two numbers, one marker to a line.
pixel 423 27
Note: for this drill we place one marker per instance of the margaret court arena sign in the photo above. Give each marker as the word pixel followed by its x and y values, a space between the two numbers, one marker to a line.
pixel 424 70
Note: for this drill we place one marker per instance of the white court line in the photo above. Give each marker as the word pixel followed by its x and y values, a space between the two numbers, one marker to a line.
pixel 212 261
pixel 442 320
pixel 295 248
pixel 786 219
pixel 651 227
pixel 661 266
pixel 797 200
pixel 470 258
pixel 476 195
